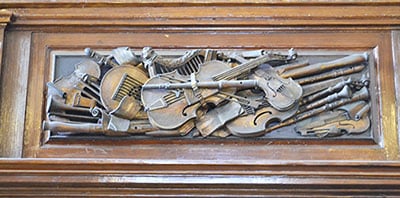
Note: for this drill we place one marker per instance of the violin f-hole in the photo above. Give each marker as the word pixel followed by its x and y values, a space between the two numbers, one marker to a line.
pixel 259 115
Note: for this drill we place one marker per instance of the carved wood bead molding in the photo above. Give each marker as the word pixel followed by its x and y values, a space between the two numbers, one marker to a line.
pixel 205 14
pixel 130 178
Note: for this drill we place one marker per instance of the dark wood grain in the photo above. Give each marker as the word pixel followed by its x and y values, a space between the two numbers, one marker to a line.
pixel 197 178
pixel 195 168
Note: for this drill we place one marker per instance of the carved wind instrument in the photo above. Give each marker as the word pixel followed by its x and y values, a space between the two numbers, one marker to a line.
pixel 321 67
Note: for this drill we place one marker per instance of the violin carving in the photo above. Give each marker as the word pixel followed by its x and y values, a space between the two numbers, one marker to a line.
pixel 212 93
pixel 281 93
pixel 161 104
pixel 181 105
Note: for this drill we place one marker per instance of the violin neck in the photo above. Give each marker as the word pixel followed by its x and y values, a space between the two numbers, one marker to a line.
pixel 244 67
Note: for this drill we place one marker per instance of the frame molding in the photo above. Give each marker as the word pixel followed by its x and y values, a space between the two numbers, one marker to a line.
pixel 5 18
pixel 60 177
pixel 28 168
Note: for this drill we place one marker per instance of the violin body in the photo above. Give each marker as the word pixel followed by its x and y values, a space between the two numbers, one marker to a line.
pixel 281 93
pixel 169 109
pixel 252 125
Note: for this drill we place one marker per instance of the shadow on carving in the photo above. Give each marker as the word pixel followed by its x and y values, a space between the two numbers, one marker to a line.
pixel 207 92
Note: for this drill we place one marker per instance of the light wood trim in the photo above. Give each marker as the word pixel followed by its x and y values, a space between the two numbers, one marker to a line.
pixel 217 15
pixel 13 91
pixel 396 67
pixel 124 3
pixel 5 17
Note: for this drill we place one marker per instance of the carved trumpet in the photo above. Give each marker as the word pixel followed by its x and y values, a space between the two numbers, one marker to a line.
pixel 325 92
pixel 344 93
pixel 321 67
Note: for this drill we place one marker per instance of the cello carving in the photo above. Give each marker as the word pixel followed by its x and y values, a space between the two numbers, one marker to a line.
pixel 212 93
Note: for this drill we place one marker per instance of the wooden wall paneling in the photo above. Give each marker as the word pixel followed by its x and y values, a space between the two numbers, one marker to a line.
pixel 13 91
pixel 387 101
pixel 190 168
pixel 155 178
pixel 44 43
pixel 35 95
pixel 396 65
pixel 235 15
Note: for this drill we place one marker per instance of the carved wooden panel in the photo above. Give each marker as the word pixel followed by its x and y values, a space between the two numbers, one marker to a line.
pixel 375 44
pixel 67 119
pixel 42 35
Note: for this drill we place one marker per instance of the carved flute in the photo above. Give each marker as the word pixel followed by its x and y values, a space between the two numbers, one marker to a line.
pixel 138 127
pixel 207 84
pixel 321 67
pixel 344 93
pixel 331 74
pixel 283 68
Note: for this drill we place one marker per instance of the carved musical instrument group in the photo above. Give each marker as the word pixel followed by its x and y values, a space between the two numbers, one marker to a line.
pixel 207 92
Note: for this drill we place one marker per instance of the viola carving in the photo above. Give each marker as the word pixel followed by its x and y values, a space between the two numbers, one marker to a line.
pixel 206 92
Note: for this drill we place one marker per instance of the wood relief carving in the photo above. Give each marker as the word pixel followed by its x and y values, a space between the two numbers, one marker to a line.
pixel 206 92
pixel 249 132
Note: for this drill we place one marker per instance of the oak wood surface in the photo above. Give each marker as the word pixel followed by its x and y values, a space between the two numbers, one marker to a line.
pixel 172 168
pixel 5 17
pixel 13 91
pixel 396 65
pixel 208 16
pixel 133 178
pixel 385 147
